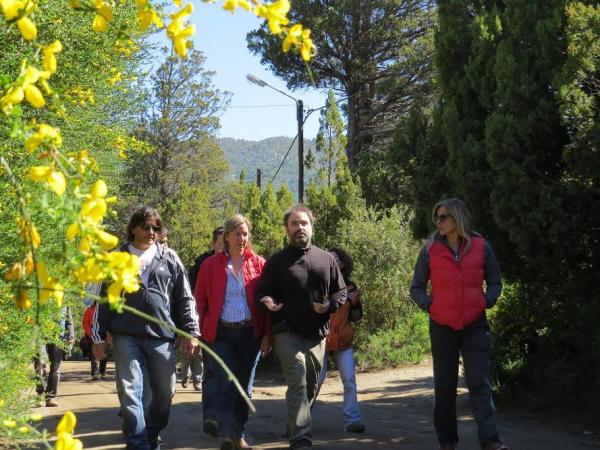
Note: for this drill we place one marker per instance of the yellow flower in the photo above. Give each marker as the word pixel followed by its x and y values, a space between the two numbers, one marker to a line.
pixel 27 28
pixel 13 96
pixel 147 15
pixel 9 423
pixel 67 423
pixel 103 15
pixel 44 134
pixel 178 32
pixel 34 96
pixel 230 5
pixel 50 52
pixel 99 189
pixel 90 271
pixel 65 441
pixel 56 180
pixel 23 429
pixel 114 79
pixel 23 301
pixel 93 209
pixel 74 4
pixel 14 273
pixel 299 37
pixel 107 241
pixel 29 232
pixel 35 417
pixel 49 287
pixel 275 14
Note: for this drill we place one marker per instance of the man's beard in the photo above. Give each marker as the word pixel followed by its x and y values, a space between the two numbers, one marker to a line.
pixel 300 240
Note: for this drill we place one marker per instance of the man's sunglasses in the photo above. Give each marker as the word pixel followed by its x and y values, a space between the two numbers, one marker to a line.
pixel 154 228
pixel 441 218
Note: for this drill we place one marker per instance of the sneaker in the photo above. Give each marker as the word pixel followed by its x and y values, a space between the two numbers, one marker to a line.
pixel 355 427
pixel 51 403
pixel 95 377
pixel 211 427
pixel 184 382
pixel 197 387
pixel 497 445
pixel 301 444
pixel 103 376
pixel 243 445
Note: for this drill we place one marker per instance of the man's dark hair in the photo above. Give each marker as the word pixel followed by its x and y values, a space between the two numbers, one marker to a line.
pixel 346 260
pixel 298 208
pixel 217 232
pixel 139 218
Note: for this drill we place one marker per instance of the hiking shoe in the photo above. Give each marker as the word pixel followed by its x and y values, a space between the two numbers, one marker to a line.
pixel 51 403
pixel 95 377
pixel 211 427
pixel 184 383
pixel 497 445
pixel 197 387
pixel 243 445
pixel 355 427
pixel 103 376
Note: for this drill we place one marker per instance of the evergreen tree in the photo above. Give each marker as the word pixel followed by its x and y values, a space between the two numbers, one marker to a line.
pixel 375 53
pixel 515 134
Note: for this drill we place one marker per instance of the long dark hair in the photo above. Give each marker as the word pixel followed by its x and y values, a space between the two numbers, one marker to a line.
pixel 348 265
pixel 139 218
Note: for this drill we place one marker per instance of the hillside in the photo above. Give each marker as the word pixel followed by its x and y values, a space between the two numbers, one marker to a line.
pixel 266 155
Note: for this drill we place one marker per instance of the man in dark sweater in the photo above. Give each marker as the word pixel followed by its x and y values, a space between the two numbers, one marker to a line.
pixel 301 285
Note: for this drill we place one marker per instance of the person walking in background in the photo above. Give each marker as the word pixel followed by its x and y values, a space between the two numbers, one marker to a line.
pixel 191 363
pixel 457 261
pixel 98 367
pixel 144 349
pixel 209 388
pixel 339 343
pixel 233 327
pixel 48 385
pixel 301 285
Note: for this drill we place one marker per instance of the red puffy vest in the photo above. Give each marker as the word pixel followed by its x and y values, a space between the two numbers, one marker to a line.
pixel 457 286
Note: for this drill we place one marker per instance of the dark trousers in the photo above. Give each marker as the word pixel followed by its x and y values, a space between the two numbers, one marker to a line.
pixel 474 343
pixel 238 348
pixel 98 367
pixel 49 386
pixel 209 390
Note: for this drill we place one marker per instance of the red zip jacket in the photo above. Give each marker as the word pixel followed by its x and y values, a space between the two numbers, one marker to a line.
pixel 88 315
pixel 210 293
pixel 457 286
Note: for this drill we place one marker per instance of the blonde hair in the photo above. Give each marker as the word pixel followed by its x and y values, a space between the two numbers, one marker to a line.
pixel 232 223
pixel 459 212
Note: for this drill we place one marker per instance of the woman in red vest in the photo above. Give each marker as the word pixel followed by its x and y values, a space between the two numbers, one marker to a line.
pixel 232 325
pixel 457 261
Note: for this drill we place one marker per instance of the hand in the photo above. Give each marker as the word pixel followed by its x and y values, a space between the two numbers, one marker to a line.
pixel 109 338
pixel 270 304
pixel 265 346
pixel 354 297
pixel 321 308
pixel 190 346
pixel 99 351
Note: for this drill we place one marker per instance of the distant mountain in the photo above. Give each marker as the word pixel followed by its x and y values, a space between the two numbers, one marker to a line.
pixel 266 155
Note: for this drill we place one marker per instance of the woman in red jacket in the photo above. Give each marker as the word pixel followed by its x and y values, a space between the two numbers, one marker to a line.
pixel 231 324
pixel 457 261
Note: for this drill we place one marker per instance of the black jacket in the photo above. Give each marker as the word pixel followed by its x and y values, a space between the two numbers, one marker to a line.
pixel 167 296
pixel 296 278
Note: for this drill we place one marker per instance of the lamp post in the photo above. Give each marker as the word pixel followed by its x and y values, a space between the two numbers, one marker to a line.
pixel 300 120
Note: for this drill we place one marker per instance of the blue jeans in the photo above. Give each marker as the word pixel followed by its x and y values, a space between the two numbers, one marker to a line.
pixel 135 359
pixel 474 342
pixel 344 360
pixel 238 348
pixel 209 390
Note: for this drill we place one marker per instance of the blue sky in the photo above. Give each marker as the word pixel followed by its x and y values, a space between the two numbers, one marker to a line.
pixel 254 112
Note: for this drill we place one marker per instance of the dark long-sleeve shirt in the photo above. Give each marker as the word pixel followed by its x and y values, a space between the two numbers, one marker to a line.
pixel 492 276
pixel 296 278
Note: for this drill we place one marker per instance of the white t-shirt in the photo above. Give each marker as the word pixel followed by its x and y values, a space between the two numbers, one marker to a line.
pixel 145 257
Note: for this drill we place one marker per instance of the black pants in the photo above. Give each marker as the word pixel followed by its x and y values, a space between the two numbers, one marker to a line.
pixel 474 343
pixel 49 386
pixel 98 367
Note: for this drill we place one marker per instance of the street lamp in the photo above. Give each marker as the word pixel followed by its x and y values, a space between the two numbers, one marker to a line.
pixel 300 120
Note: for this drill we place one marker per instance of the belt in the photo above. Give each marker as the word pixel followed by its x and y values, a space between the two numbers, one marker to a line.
pixel 242 324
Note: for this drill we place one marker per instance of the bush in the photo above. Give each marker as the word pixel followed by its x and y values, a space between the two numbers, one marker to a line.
pixel 393 331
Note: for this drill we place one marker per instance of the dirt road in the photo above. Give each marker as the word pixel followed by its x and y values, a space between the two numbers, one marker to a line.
pixel 396 406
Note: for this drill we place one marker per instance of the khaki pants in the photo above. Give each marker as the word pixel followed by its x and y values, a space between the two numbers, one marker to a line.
pixel 301 360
